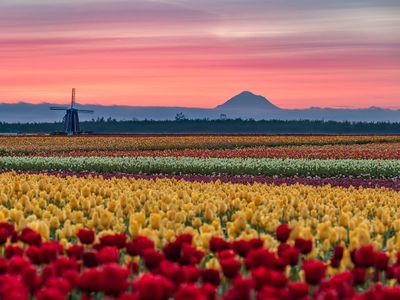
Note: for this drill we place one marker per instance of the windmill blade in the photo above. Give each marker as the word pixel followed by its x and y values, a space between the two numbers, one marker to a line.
pixel 58 108
pixel 73 98
pixel 86 111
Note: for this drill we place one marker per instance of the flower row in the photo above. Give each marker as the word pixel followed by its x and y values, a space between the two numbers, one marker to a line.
pixel 345 182
pixel 115 267
pixel 35 145
pixel 333 151
pixel 209 166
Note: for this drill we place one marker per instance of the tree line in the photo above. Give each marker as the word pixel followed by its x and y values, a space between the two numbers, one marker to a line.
pixel 227 126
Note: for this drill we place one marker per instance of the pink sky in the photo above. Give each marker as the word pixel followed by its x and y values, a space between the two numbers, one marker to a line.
pixel 297 53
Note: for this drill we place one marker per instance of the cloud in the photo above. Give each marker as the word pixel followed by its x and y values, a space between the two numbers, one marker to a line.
pixel 74 15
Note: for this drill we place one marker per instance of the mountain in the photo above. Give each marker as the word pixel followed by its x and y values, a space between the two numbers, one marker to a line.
pixel 244 105
pixel 247 101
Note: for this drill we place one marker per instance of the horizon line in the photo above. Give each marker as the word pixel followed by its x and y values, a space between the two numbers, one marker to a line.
pixel 198 107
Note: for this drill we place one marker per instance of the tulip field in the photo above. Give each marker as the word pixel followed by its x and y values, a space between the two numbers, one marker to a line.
pixel 200 217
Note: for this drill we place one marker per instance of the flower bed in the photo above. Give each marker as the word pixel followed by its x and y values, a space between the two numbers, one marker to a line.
pixel 208 166
pixel 336 151
pixel 43 145
pixel 115 267
pixel 199 228
pixel 344 182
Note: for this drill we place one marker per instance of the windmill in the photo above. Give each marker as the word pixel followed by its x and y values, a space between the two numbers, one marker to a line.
pixel 71 119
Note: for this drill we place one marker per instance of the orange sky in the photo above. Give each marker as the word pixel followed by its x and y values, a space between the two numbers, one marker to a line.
pixel 298 53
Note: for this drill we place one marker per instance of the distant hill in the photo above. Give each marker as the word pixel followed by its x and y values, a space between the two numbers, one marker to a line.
pixel 245 105
pixel 247 101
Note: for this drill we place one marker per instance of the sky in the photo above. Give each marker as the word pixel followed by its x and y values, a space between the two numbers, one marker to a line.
pixel 298 53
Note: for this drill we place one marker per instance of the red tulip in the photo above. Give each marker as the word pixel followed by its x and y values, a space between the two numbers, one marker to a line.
pixel 279 264
pixel 305 246
pixel 282 248
pixel 3 265
pixel 97 246
pixel 17 264
pixel 86 236
pixel 29 277
pixel 391 293
pixel 381 260
pixel 116 279
pixel 298 290
pixel 218 244
pixel 11 251
pixel 34 253
pixel 50 294
pixel 12 288
pixel 230 267
pixel 172 271
pixel 190 255
pixel 4 234
pixel 90 259
pixel 343 285
pixel 75 251
pixel 133 267
pixel 314 271
pixel 14 237
pixel 211 276
pixel 263 276
pixel 91 280
pixel 152 258
pixel 30 237
pixel 270 292
pixel 108 255
pixel 8 227
pixel 359 276
pixel 364 256
pixel 291 256
pixel 190 291
pixel 150 287
pixel 184 238
pixel 335 263
pixel 172 251
pixel 225 254
pixel 72 276
pixel 240 289
pixel 63 264
pixel 48 272
pixel 191 273
pixel 260 276
pixel 139 245
pixel 278 279
pixel 114 240
pixel 59 283
pixel 255 243
pixel 241 247
pixel 338 252
pixel 326 293
pixel 209 290
pixel 49 251
pixel 390 272
pixel 260 257
pixel 283 233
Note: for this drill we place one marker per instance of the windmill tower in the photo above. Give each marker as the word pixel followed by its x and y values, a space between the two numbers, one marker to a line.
pixel 71 118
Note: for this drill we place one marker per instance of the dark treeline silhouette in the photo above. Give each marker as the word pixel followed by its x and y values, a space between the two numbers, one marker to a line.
pixel 229 126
